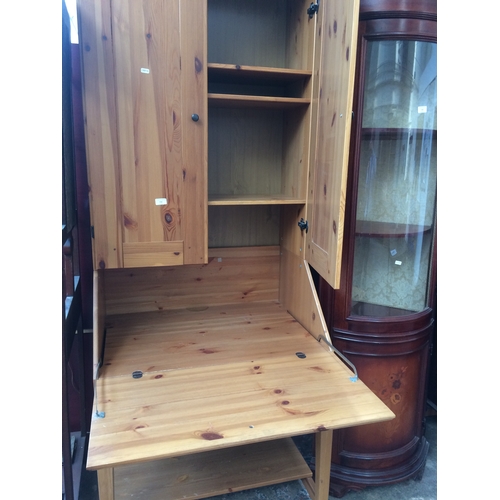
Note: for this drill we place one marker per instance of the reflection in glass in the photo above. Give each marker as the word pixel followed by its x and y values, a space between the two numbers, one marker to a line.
pixel 397 179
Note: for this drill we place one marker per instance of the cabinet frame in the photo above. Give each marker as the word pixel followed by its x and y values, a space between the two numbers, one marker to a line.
pixel 241 283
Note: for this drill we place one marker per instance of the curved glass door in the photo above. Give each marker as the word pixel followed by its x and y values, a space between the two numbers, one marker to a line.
pixel 397 179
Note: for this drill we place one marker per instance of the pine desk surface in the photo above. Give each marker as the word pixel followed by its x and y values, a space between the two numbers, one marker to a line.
pixel 217 377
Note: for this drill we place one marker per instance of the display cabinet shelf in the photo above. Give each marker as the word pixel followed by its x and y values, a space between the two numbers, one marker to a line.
pixel 392 133
pixel 389 229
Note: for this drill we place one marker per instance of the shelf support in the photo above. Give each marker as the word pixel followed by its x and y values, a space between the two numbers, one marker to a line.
pixel 354 378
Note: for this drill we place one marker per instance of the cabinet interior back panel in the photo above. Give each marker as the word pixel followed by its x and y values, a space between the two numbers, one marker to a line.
pixel 257 152
pixel 259 33
pixel 244 151
pixel 250 225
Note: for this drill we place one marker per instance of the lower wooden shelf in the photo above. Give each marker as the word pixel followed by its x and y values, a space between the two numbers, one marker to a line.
pixel 204 475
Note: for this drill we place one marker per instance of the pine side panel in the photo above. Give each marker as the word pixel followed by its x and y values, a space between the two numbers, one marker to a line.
pixel 98 78
pixel 336 51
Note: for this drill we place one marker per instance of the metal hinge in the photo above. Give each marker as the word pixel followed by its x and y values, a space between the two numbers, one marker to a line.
pixel 313 9
pixel 303 224
pixel 92 231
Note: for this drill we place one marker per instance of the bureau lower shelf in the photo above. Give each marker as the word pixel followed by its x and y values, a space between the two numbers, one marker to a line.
pixel 204 475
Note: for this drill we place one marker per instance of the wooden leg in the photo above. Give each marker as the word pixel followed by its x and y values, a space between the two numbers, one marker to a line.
pixel 105 483
pixel 323 460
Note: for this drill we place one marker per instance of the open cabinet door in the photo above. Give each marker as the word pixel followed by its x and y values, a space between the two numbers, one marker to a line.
pixel 145 78
pixel 332 113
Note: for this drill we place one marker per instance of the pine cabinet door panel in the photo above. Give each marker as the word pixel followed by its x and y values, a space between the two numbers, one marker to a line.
pixel 146 109
pixel 335 61
pixel 163 179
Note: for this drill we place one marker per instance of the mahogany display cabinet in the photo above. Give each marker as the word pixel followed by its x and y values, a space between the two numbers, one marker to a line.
pixel 383 315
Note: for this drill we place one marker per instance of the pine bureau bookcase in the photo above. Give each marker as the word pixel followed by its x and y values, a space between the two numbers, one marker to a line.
pixel 217 138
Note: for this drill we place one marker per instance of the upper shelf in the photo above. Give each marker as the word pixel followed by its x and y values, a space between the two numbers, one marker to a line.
pixel 255 75
pixel 252 101
pixel 388 229
pixel 232 85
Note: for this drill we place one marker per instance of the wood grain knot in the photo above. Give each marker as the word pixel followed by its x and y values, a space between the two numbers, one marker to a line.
pixel 396 398
pixel 198 66
pixel 210 436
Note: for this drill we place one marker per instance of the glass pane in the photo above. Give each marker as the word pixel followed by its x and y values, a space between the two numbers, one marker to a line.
pixel 397 179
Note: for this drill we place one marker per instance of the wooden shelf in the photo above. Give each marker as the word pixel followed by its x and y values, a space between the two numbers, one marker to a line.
pixel 235 200
pixel 393 133
pixel 377 310
pixel 254 75
pixel 250 101
pixel 388 229
pixel 204 475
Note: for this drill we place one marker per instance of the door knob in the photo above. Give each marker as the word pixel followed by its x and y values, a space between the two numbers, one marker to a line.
pixel 195 117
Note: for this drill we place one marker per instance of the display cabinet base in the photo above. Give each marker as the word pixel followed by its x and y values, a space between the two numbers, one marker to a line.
pixel 344 479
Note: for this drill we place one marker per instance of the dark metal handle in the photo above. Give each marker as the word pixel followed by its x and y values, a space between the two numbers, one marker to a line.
pixel 195 117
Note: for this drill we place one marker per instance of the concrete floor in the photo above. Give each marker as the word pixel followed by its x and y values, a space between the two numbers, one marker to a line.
pixel 425 489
